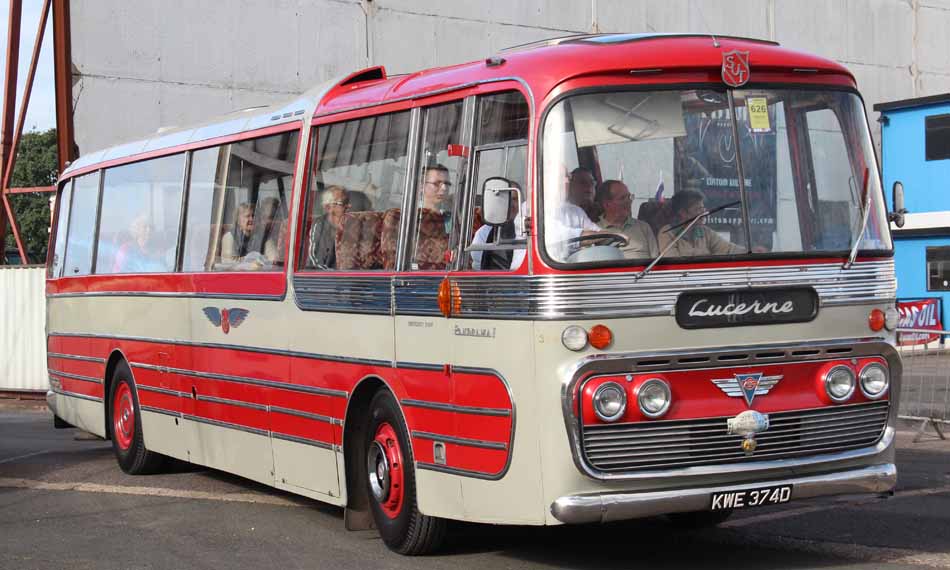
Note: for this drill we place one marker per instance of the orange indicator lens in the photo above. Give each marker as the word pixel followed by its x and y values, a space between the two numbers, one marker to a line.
pixel 600 337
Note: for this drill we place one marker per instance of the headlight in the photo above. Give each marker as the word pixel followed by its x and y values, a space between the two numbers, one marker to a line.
pixel 610 402
pixel 653 397
pixel 574 338
pixel 839 383
pixel 874 381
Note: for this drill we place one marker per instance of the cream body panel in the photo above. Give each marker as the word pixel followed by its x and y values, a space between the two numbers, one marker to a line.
pixel 84 414
pixel 439 494
pixel 338 334
pixel 307 470
pixel 558 473
pixel 165 434
pixel 235 451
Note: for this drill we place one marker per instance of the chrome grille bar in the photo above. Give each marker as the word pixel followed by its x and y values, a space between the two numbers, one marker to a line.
pixel 681 443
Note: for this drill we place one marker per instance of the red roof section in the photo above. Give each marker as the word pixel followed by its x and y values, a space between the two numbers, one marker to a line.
pixel 546 64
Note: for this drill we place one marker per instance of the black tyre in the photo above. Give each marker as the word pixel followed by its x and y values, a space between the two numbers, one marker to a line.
pixel 699 519
pixel 391 485
pixel 125 426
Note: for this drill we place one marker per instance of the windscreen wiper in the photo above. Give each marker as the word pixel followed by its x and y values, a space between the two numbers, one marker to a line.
pixel 865 209
pixel 689 224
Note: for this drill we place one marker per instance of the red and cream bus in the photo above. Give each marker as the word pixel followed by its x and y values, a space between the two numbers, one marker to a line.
pixel 674 293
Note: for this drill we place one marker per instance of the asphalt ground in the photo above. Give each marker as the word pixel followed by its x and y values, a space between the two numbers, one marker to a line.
pixel 64 503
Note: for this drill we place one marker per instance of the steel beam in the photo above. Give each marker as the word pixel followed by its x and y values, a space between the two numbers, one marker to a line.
pixel 9 102
pixel 63 70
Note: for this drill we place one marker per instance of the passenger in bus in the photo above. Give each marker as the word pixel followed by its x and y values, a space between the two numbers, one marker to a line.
pixel 615 200
pixel 435 218
pixel 699 240
pixel 268 224
pixel 500 260
pixel 242 245
pixel 571 219
pixel 321 253
pixel 137 255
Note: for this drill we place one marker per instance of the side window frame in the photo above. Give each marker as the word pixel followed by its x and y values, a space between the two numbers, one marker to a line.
pixel 59 224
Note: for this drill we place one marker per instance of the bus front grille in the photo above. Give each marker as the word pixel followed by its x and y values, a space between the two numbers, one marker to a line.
pixel 673 444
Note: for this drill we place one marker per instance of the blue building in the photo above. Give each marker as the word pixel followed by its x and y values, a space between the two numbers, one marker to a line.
pixel 915 149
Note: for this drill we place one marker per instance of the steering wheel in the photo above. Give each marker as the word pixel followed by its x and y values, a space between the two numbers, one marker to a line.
pixel 604 238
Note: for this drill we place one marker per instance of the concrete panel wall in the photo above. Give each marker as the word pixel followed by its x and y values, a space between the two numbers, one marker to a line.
pixel 142 64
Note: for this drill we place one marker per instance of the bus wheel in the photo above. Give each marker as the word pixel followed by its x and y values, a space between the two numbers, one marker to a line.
pixel 699 519
pixel 391 484
pixel 126 426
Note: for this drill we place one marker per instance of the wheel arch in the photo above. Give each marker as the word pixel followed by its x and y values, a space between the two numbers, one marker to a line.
pixel 115 357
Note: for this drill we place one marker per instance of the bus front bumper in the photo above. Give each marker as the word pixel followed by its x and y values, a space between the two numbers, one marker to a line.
pixel 605 507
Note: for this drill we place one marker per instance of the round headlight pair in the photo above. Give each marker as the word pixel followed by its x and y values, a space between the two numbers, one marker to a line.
pixel 840 382
pixel 653 398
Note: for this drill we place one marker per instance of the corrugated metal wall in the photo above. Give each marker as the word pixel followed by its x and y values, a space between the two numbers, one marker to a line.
pixel 23 329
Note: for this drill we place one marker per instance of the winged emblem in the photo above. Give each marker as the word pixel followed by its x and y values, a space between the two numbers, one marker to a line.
pixel 747 386
pixel 225 318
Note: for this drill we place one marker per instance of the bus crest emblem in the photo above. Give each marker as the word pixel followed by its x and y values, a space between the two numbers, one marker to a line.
pixel 225 318
pixel 735 68
pixel 747 386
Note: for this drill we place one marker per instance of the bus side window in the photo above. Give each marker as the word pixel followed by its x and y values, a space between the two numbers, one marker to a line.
pixel 82 226
pixel 355 194
pixel 238 198
pixel 141 212
pixel 501 145
pixel 62 222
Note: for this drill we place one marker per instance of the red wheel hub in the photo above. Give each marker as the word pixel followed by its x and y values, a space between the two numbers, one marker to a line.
pixel 384 466
pixel 123 416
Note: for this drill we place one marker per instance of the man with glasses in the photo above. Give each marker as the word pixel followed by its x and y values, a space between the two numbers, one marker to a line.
pixel 615 200
pixel 437 193
pixel 322 251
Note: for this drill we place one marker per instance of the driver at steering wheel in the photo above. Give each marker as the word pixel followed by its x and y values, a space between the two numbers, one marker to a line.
pixel 615 200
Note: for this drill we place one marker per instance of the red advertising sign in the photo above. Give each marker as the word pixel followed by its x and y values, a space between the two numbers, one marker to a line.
pixel 919 314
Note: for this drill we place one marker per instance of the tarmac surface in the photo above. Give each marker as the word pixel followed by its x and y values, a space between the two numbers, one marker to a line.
pixel 64 503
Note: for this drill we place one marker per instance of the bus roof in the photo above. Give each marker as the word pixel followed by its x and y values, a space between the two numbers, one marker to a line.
pixel 540 66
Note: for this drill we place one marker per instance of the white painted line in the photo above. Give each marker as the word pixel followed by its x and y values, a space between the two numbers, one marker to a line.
pixel 24 456
pixel 147 492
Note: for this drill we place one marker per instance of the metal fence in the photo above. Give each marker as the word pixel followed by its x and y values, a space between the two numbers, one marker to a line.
pixel 925 391
pixel 23 329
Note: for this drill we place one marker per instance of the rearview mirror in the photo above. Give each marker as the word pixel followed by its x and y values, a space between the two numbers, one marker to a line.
pixel 497 194
pixel 897 216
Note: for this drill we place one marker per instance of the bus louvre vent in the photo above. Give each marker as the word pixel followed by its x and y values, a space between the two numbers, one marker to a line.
pixel 673 444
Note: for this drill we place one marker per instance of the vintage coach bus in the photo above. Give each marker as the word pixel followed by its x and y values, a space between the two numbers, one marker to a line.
pixel 595 278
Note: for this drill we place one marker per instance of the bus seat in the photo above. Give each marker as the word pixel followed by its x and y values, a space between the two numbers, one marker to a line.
pixel 358 242
pixel 433 244
pixel 390 235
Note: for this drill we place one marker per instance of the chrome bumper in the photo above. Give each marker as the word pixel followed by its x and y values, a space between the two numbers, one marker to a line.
pixel 605 507
pixel 51 401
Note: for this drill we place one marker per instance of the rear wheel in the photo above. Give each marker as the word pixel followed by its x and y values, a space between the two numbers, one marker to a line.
pixel 699 519
pixel 125 419
pixel 391 484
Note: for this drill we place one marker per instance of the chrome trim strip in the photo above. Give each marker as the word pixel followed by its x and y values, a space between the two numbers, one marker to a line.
pixel 79 396
pixel 306 441
pixel 701 358
pixel 162 411
pixel 433 93
pixel 74 376
pixel 168 295
pixel 418 366
pixel 244 348
pixel 76 357
pixel 227 425
pixel 165 391
pixel 498 412
pixel 365 294
pixel 417 295
pixel 605 507
pixel 459 440
pixel 308 415
pixel 555 297
pixel 227 402
pixel 457 471
pixel 243 380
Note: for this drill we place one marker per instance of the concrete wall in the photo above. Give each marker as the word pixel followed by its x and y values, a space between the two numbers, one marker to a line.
pixel 141 64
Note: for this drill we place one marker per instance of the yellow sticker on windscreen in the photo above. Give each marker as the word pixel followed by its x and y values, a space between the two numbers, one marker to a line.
pixel 758 114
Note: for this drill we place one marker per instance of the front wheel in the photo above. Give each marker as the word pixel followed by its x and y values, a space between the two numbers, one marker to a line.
pixel 126 426
pixel 391 482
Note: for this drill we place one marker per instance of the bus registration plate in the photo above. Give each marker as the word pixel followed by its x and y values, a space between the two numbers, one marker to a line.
pixel 751 498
